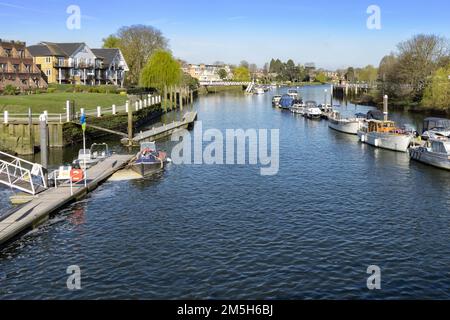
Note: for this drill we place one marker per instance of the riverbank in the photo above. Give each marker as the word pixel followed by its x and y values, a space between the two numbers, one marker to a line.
pixel 207 90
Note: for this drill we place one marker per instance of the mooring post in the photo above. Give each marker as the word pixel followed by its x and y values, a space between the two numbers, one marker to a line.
pixel 130 127
pixel 192 97
pixel 5 117
pixel 165 98
pixel 68 111
pixel 181 99
pixel 386 107
pixel 30 128
pixel 43 130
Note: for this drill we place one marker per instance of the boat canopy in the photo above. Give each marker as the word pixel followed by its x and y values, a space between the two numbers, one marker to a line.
pixel 286 101
pixel 434 123
pixel 375 115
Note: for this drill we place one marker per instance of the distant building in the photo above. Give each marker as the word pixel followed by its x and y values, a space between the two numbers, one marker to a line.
pixel 207 73
pixel 17 67
pixel 76 63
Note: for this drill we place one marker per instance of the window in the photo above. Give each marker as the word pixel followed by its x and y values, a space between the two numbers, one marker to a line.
pixel 8 52
pixel 16 67
pixel 28 68
pixel 3 67
pixel 48 72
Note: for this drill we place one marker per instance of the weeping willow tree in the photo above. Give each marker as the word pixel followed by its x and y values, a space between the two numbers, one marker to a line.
pixel 161 71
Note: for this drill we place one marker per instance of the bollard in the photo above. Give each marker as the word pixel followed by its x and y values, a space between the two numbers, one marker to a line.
pixel 114 109
pixel 5 117
pixel 137 105
pixel 127 106
pixel 68 111
pixel 99 112
pixel 43 128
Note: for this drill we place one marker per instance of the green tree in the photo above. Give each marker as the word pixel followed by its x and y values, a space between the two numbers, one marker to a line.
pixel 161 70
pixel 437 93
pixel 241 74
pixel 189 81
pixel 321 77
pixel 222 73
pixel 111 42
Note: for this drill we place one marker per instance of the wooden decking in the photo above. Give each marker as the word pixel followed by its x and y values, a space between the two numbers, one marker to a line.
pixel 30 215
pixel 163 131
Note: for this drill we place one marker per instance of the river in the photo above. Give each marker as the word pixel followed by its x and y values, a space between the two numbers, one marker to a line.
pixel 335 208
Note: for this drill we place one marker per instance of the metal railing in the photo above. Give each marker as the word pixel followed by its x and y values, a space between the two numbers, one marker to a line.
pixel 20 174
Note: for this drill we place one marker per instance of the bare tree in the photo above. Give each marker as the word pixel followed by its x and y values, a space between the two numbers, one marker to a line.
pixel 138 43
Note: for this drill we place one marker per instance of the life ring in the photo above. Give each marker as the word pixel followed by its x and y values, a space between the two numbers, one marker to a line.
pixel 76 175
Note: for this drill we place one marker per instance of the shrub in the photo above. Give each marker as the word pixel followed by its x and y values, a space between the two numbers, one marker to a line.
pixel 10 90
pixel 51 90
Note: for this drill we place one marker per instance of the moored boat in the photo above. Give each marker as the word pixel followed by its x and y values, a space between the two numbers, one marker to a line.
pixel 87 158
pixel 149 160
pixel 312 111
pixel 293 93
pixel 386 135
pixel 435 152
pixel 345 125
pixel 435 128
pixel 286 102
pixel 276 101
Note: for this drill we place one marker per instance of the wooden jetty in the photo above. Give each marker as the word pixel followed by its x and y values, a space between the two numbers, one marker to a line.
pixel 162 131
pixel 18 220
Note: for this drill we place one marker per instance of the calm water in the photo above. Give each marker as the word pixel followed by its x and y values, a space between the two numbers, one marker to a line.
pixel 310 232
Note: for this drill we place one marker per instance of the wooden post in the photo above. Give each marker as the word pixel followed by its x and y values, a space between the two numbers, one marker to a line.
pixel 386 107
pixel 114 109
pixel 30 128
pixel 127 106
pixel 192 97
pixel 5 117
pixel 171 98
pixel 165 98
pixel 99 112
pixel 181 99
pixel 130 127
pixel 44 144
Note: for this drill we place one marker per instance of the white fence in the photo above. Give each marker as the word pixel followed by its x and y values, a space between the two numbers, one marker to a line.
pixel 7 117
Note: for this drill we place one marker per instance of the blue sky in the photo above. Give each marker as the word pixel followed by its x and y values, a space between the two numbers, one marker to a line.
pixel 333 34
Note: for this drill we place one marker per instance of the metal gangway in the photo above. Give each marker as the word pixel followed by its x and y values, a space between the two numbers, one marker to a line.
pixel 21 175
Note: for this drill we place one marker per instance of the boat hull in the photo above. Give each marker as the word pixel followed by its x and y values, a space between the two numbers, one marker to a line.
pixel 389 141
pixel 146 169
pixel 437 160
pixel 348 127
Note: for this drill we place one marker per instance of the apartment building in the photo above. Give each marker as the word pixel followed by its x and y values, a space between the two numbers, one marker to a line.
pixel 17 67
pixel 205 72
pixel 76 63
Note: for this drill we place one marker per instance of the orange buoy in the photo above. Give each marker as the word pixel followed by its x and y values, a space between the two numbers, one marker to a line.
pixel 77 175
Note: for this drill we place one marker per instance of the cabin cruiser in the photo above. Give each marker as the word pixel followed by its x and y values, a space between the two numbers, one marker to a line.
pixel 286 102
pixel 435 152
pixel 435 128
pixel 149 160
pixel 276 101
pixel 312 111
pixel 326 109
pixel 293 93
pixel 87 158
pixel 345 125
pixel 298 108
pixel 385 134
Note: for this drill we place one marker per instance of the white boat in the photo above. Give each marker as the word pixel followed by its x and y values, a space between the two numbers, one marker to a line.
pixel 435 152
pixel 259 90
pixel 276 101
pixel 385 135
pixel 293 93
pixel 345 125
pixel 326 109
pixel 90 157
pixel 312 111
pixel 298 108
pixel 435 128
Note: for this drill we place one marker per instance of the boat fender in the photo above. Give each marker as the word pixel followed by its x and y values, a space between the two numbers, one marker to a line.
pixel 377 143
pixel 76 175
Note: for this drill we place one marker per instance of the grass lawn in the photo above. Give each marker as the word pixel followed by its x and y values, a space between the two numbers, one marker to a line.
pixel 56 102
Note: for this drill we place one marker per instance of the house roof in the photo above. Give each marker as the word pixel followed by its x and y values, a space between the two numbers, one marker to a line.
pixel 55 49
pixel 108 55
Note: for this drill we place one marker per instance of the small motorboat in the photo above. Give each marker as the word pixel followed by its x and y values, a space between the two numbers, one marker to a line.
pixel 435 128
pixel 326 109
pixel 435 152
pixel 293 93
pixel 276 101
pixel 259 90
pixel 312 111
pixel 149 160
pixel 87 158
pixel 286 102
pixel 345 125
